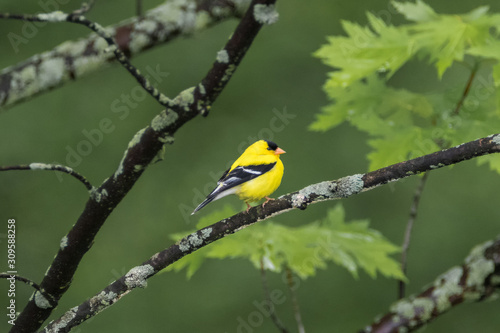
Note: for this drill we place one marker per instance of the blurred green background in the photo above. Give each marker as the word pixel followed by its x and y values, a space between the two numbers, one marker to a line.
pixel 459 207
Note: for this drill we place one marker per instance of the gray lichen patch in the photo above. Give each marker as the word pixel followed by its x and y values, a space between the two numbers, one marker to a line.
pixel 205 233
pixel 194 240
pixel 135 140
pixel 119 171
pixel 57 16
pixel 350 185
pixel 479 270
pixel 201 89
pixel 425 307
pixel 185 98
pixel 41 301
pixel 299 200
pixel 65 320
pixel 222 57
pixel 496 139
pixel 137 276
pixel 166 138
pixel 228 73
pixel 98 195
pixel 63 243
pixel 203 19
pixel 102 300
pixel 177 14
pixel 166 118
pixel 320 191
pixel 404 308
pixel 42 166
pixel 51 71
pixel 241 6
pixel 265 14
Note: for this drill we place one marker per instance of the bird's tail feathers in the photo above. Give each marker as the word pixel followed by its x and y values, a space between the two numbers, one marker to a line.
pixel 219 192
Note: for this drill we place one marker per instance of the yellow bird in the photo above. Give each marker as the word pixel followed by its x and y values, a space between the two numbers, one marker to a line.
pixel 254 175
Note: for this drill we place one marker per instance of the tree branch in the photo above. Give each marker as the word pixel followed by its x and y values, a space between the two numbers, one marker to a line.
pixel 409 228
pixel 272 309
pixel 327 190
pixel 295 302
pixel 78 18
pixel 72 60
pixel 146 146
pixel 29 282
pixel 51 167
pixel 465 93
pixel 475 280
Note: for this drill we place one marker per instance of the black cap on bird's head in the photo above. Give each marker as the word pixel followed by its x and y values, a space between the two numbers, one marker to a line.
pixel 274 147
pixel 264 147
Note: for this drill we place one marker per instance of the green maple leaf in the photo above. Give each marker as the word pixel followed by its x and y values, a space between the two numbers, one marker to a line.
pixel 304 249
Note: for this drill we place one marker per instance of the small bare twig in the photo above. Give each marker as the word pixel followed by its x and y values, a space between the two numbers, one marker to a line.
pixel 409 227
pixel 295 302
pixel 30 283
pixel 272 310
pixel 138 8
pixel 465 93
pixel 78 18
pixel 52 167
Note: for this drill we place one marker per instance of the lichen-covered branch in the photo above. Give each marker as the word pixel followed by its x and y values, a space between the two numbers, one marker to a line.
pixel 74 59
pixel 477 279
pixel 145 147
pixel 50 167
pixel 327 190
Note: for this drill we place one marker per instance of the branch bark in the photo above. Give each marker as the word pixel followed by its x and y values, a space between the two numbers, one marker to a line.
pixel 327 190
pixel 146 146
pixel 475 280
pixel 50 167
pixel 72 60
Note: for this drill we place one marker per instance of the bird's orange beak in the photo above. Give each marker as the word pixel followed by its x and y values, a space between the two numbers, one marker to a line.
pixel 279 151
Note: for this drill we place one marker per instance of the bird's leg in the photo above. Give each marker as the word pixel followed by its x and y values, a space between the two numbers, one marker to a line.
pixel 248 205
pixel 267 200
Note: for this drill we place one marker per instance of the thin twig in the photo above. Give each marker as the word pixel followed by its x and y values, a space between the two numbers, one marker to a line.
pixel 30 283
pixel 122 58
pixel 77 17
pixel 85 8
pixel 51 167
pixel 409 228
pixel 468 85
pixel 138 8
pixel 272 310
pixel 295 302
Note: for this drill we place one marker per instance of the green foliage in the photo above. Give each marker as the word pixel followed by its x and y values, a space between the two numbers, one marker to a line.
pixel 303 249
pixel 403 124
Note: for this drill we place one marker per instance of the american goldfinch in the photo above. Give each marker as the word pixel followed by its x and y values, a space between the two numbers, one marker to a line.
pixel 254 175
